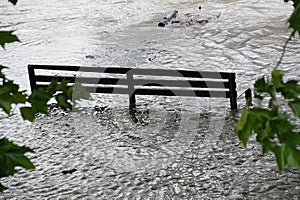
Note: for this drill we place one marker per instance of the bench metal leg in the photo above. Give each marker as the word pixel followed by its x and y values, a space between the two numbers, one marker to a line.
pixel 233 94
pixel 132 100
pixel 131 89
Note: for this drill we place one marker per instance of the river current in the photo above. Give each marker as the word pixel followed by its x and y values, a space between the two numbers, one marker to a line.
pixel 176 148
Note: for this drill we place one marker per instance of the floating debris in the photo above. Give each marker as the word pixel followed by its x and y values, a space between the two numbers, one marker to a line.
pixel 167 18
pixel 71 171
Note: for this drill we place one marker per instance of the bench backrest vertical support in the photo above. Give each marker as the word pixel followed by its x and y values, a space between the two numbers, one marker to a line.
pixel 31 77
pixel 233 93
pixel 131 92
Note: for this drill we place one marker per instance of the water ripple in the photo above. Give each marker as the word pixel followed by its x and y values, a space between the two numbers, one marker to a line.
pixel 110 155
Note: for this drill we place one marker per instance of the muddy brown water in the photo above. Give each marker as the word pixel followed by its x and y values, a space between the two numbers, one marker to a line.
pixel 176 148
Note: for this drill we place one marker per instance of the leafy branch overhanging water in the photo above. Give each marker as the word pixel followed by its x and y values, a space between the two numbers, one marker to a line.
pixel 276 128
pixel 13 155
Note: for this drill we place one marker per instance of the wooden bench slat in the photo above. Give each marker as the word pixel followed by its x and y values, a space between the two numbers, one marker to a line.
pixel 55 67
pixel 181 83
pixel 161 92
pixel 42 78
pixel 109 90
pixel 136 82
pixel 137 71
pixel 181 73
pixel 156 91
pixel 187 93
pixel 83 80
pixel 113 70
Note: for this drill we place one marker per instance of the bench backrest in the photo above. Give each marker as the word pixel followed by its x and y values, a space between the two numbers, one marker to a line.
pixel 137 81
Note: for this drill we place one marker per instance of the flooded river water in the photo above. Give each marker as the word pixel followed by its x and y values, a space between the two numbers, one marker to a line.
pixel 175 148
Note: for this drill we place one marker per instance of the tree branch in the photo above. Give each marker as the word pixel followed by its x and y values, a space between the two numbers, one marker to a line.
pixel 284 48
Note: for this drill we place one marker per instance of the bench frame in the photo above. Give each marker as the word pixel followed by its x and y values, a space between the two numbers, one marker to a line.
pixel 166 82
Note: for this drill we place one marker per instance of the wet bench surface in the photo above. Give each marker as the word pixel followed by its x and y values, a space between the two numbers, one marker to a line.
pixel 138 81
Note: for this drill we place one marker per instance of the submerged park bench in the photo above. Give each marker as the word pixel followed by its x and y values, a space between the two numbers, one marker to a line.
pixel 138 81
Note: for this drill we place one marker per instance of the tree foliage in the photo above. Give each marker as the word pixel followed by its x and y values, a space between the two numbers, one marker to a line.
pixel 12 155
pixel 275 128
pixel 294 20
pixel 7 37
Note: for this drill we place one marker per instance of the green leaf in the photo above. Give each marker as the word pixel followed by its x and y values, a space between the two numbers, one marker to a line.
pixel 2 75
pixel 261 113
pixel 2 188
pixel 5 105
pixel 279 154
pixel 291 90
pixel 284 128
pixel 267 146
pixel 11 86
pixel 39 99
pixel 261 85
pixel 277 150
pixel 292 156
pixel 285 154
pixel 13 1
pixel 63 86
pixel 62 101
pixel 11 156
pixel 295 105
pixel 260 119
pixel 27 113
pixel 291 138
pixel 19 98
pixel 10 94
pixel 277 78
pixel 52 88
pixel 7 37
pixel 3 67
pixel 295 19
pixel 267 132
pixel 243 129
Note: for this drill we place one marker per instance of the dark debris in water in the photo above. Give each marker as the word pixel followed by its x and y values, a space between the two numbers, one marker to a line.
pixel 192 19
pixel 71 171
